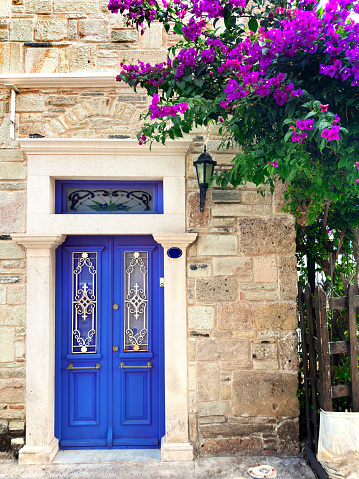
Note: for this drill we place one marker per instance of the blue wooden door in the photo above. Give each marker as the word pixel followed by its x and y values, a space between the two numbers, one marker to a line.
pixel 109 342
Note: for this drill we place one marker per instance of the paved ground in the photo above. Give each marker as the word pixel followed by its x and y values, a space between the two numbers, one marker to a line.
pixel 233 467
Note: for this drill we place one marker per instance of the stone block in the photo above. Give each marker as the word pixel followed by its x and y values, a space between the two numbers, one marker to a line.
pixel 260 295
pixel 10 61
pixel 199 270
pixel 239 266
pixel 72 29
pixel 217 245
pixel 278 198
pixel 266 365
pixel 152 38
pixel 2 295
pixel 13 185
pixel 8 373
pixel 17 442
pixel 101 123
pixel 222 349
pixel 262 210
pixel 208 382
pixel 201 317
pixel 4 37
pixel 11 250
pixel 21 30
pixel 80 6
pixel 20 349
pixel 192 378
pixel 235 316
pixel 288 352
pixel 216 289
pixel 93 30
pixel 217 408
pixel 12 212
pixel 274 316
pixel 16 294
pixel 232 209
pixel 231 445
pixel 57 126
pixel 226 196
pixel 13 391
pixel 12 315
pixel 196 218
pixel 38 6
pixel 9 279
pixel 254 198
pixel 288 436
pixel 265 269
pixel 123 36
pixel 7 346
pixel 262 393
pixel 234 429
pixel 61 100
pixel 264 350
pixel 83 58
pixel 16 426
pixel 226 391
pixel 30 102
pixel 51 29
pixel 4 8
pixel 258 287
pixel 41 60
pixel 12 171
pixel 287 267
pixel 211 419
pixel 270 235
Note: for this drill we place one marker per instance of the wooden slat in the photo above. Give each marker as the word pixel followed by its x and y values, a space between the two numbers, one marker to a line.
pixel 305 362
pixel 312 364
pixel 338 347
pixel 340 303
pixel 325 398
pixel 353 349
pixel 341 390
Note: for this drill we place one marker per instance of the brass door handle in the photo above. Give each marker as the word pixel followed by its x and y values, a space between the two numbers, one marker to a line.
pixel 148 366
pixel 71 366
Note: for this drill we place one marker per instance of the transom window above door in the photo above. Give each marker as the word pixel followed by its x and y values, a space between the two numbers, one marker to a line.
pixel 110 197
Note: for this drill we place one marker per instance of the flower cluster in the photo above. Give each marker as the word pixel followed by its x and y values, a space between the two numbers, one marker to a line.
pixel 163 111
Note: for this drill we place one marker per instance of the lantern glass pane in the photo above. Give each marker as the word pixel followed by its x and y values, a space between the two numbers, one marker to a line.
pixel 200 173
pixel 209 171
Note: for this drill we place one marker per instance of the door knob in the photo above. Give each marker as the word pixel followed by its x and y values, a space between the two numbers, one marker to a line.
pixel 115 306
pixel 114 348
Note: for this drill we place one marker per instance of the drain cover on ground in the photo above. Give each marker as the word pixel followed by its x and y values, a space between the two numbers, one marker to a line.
pixel 262 471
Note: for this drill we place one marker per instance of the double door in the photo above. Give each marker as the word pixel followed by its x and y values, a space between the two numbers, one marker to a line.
pixel 109 334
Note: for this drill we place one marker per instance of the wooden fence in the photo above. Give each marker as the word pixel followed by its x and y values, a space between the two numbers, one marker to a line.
pixel 318 350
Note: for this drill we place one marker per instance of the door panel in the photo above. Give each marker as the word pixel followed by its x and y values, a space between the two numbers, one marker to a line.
pixel 109 342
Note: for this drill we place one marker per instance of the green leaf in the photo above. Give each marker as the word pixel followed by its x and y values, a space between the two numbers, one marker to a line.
pixel 311 113
pixel 227 15
pixel 288 135
pixel 253 24
pixel 178 28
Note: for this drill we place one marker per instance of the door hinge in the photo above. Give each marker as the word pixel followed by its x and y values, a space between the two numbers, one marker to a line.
pixel 162 282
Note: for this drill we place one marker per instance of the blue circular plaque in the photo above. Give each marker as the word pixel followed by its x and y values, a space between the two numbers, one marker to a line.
pixel 174 252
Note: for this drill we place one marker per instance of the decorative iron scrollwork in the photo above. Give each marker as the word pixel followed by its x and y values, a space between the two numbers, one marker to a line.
pixel 136 301
pixel 109 200
pixel 84 302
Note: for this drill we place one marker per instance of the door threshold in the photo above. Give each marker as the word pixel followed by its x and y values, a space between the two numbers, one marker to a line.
pixel 95 456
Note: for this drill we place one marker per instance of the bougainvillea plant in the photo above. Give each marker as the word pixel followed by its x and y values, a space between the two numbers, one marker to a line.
pixel 279 79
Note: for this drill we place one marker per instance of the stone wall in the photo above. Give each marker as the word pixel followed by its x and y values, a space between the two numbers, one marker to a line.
pixel 242 343
pixel 12 344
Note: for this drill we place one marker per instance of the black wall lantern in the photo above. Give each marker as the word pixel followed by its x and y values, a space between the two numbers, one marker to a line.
pixel 204 168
